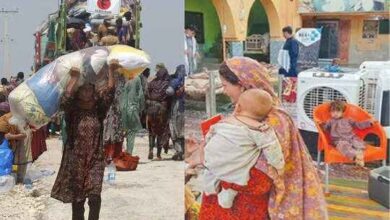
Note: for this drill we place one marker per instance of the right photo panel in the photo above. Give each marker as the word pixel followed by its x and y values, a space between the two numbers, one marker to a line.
pixel 285 116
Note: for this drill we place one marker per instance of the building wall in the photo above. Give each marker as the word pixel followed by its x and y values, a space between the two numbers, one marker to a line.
pixel 367 49
pixel 234 17
pixel 356 49
pixel 212 27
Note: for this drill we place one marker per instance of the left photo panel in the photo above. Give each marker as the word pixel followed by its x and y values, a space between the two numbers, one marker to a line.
pixel 92 109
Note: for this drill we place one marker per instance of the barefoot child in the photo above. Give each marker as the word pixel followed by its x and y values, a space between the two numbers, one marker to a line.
pixel 341 133
pixel 234 145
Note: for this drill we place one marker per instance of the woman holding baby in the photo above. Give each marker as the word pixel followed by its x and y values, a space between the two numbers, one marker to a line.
pixel 256 163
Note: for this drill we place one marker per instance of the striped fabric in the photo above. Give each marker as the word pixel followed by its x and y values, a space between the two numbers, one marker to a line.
pixel 349 200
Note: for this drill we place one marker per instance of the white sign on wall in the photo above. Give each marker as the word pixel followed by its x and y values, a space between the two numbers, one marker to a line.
pixel 309 40
pixel 104 6
pixel 308 36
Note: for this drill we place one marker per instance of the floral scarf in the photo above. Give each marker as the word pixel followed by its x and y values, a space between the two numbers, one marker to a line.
pixel 298 193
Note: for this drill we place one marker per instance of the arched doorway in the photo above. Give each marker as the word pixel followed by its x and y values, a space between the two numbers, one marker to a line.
pixel 203 15
pixel 257 45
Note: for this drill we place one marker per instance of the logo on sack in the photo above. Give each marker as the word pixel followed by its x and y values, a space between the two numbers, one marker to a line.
pixel 104 4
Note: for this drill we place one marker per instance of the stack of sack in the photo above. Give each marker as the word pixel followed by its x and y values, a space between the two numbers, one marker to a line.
pixel 35 101
pixel 197 86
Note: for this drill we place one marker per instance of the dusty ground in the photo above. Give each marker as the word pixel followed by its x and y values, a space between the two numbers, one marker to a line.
pixel 153 191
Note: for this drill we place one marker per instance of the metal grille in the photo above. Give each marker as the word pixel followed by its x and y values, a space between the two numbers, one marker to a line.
pixel 362 94
pixel 318 96
pixel 367 95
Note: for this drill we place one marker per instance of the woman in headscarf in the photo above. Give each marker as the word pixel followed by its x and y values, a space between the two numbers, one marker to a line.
pixel 295 195
pixel 176 122
pixel 144 81
pixel 157 112
pixel 82 166
pixel 132 104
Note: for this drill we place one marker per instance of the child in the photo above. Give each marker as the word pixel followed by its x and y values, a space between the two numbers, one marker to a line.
pixel 20 143
pixel 334 67
pixel 341 133
pixel 234 145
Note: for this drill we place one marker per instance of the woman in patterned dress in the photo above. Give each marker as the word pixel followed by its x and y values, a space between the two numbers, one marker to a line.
pixel 82 166
pixel 297 194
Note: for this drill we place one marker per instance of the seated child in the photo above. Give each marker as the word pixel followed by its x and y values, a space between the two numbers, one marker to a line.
pixel 334 67
pixel 342 135
pixel 234 145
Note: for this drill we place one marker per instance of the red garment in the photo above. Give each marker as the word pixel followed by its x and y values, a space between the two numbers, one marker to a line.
pixel 38 143
pixel 113 150
pixel 251 202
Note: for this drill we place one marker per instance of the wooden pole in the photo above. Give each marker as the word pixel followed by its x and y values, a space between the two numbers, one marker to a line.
pixel 280 86
pixel 207 95
pixel 213 103
pixel 223 49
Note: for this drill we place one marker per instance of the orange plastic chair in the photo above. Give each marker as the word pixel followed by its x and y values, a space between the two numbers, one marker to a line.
pixel 332 155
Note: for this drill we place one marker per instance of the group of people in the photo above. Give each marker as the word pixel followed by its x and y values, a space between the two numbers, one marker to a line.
pixel 256 164
pixel 95 125
pixel 80 35
pixel 157 106
pixel 97 122
pixel 165 111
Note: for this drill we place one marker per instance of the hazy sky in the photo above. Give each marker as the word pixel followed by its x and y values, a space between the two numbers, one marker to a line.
pixel 162 36
pixel 162 33
pixel 21 28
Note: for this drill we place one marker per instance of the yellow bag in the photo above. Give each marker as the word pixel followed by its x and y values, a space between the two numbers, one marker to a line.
pixel 133 61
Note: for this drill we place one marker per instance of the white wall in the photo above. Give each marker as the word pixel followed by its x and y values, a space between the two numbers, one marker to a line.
pixel 162 32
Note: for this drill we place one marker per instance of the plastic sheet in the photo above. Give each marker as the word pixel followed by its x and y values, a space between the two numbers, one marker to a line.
pixel 7 182
pixel 6 158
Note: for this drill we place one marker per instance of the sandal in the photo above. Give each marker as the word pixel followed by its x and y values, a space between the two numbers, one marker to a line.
pixel 150 156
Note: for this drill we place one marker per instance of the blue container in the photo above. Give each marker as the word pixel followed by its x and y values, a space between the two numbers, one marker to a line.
pixel 6 158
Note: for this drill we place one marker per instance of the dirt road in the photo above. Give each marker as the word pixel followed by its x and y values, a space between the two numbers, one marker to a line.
pixel 153 191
